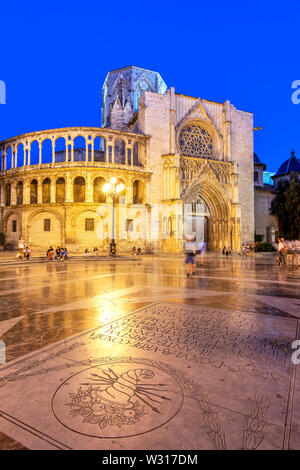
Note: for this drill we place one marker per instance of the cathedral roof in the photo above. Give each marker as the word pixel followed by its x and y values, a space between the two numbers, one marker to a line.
pixel 290 165
pixel 256 159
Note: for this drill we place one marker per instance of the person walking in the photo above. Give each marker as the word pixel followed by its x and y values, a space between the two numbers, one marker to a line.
pixel 201 248
pixel 244 251
pixel 190 252
pixel 281 252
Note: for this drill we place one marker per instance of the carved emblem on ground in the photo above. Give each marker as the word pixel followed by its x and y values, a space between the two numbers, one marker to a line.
pixel 117 400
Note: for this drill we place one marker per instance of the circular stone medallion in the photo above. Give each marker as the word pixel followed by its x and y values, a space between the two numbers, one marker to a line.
pixel 117 399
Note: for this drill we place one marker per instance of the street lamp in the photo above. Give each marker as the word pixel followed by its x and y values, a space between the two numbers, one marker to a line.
pixel 113 189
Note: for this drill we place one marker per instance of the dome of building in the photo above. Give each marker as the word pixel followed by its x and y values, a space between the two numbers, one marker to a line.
pixel 290 165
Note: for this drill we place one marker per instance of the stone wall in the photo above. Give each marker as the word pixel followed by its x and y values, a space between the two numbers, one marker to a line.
pixel 242 156
pixel 264 221
pixel 68 226
pixel 154 120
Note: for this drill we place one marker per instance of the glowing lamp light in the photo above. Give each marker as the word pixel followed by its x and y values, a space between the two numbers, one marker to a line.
pixel 113 180
pixel 120 187
pixel 106 187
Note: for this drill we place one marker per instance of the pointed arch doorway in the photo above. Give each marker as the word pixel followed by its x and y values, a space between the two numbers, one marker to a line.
pixel 206 209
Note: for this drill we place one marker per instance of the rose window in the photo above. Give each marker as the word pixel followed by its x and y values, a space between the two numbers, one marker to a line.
pixel 194 141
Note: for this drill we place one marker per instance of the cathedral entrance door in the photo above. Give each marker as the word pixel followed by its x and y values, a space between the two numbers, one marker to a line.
pixel 196 217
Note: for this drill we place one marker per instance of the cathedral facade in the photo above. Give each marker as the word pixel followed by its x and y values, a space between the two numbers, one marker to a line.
pixel 186 164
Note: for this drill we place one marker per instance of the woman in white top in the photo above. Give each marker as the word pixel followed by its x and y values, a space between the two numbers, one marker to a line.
pixel 21 243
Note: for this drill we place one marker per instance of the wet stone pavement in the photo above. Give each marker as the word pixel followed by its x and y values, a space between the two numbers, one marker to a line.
pixel 130 354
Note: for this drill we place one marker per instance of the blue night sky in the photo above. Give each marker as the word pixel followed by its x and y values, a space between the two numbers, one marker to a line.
pixel 55 56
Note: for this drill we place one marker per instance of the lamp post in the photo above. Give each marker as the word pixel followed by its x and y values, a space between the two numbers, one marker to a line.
pixel 113 189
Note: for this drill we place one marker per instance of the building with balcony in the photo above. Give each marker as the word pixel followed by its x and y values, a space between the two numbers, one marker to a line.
pixel 186 164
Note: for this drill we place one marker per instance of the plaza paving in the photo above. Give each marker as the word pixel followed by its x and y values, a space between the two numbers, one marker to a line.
pixel 130 354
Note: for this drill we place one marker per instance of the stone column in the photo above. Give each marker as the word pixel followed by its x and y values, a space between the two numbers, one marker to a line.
pixel 52 190
pixel 13 197
pixel 40 153
pixel 72 151
pixel 2 195
pixel 86 150
pixel 129 191
pixel 53 151
pixel 113 150
pixel 227 150
pixel 177 181
pixel 89 189
pixel 69 188
pixel 25 151
pixel 92 152
pixel 172 119
pixel 147 187
pixel 105 150
pixel 3 160
pixel 112 153
pixel 26 191
pixel 40 192
pixel 234 234
pixel 129 151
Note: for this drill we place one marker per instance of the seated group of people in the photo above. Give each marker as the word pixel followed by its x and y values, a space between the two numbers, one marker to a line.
pixel 59 254
pixel 24 253
pixel 135 251
pixel 87 252
pixel 227 250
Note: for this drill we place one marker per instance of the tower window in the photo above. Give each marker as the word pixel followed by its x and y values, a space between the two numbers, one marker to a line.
pixel 14 225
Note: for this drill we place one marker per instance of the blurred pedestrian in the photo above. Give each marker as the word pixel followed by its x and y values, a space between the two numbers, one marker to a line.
pixel 190 252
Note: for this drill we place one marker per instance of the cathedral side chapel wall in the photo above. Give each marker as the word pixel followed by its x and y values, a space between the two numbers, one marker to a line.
pixel 242 155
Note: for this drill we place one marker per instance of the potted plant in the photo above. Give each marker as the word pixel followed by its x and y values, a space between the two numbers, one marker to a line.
pixel 2 241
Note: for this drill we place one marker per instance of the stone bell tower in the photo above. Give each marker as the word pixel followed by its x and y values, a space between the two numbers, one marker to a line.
pixel 121 92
